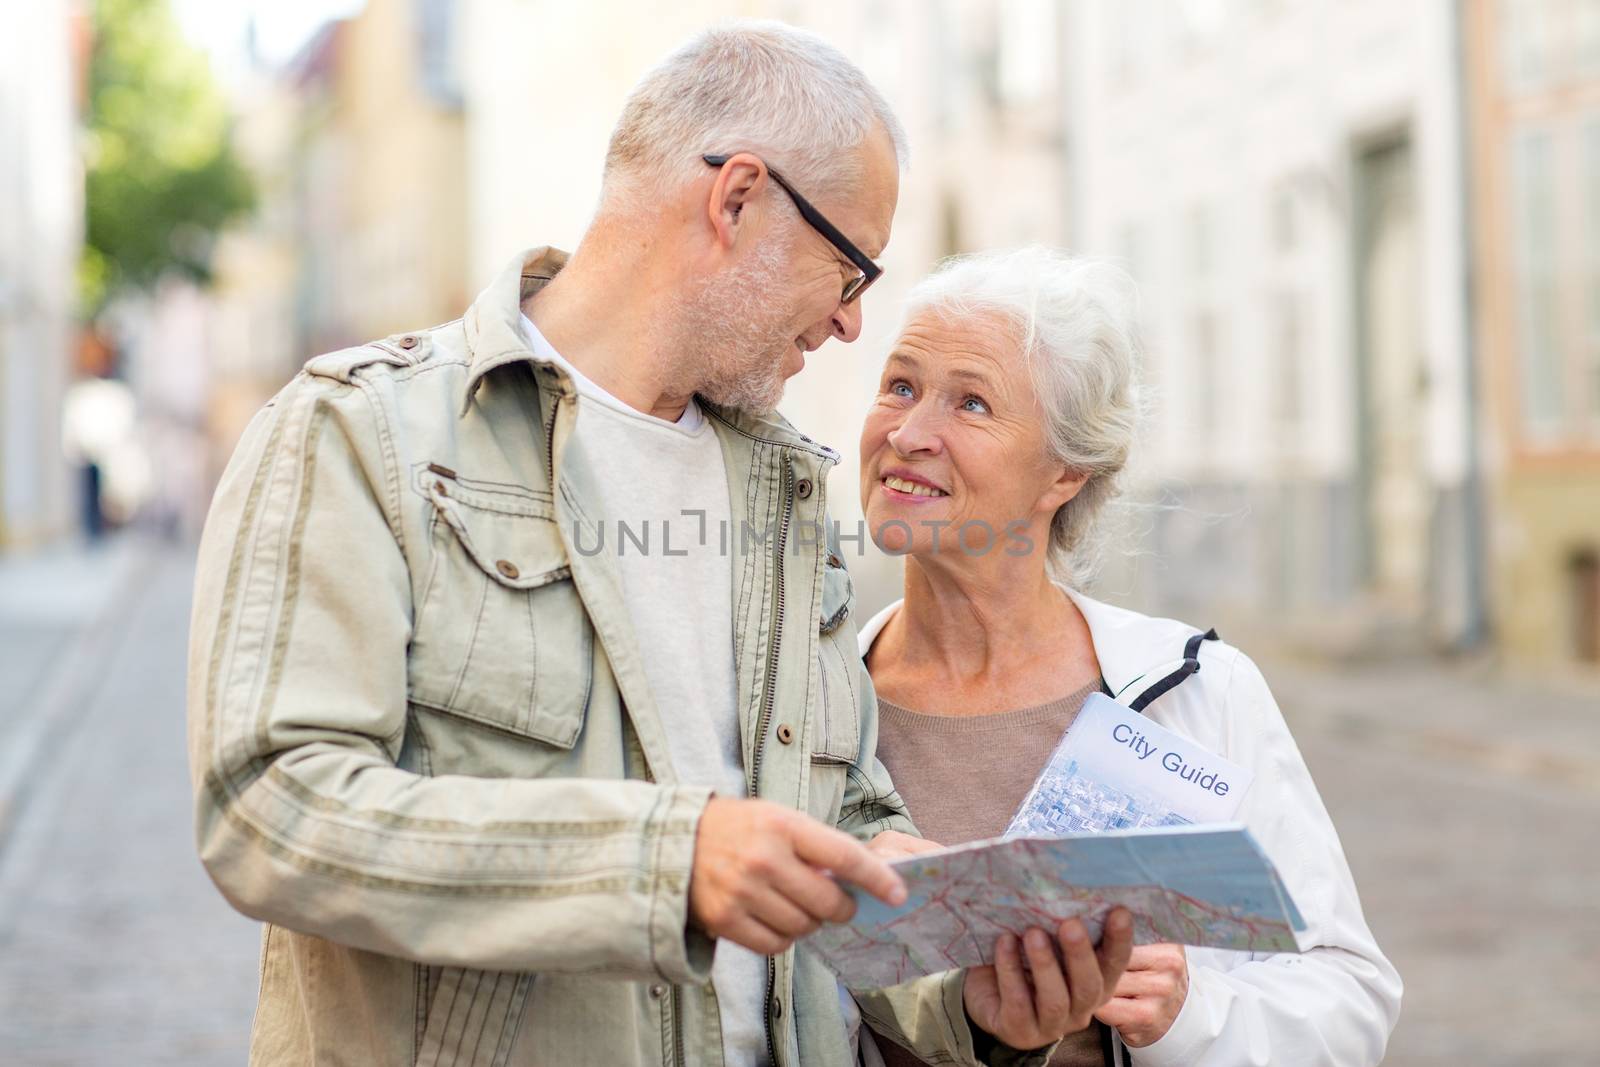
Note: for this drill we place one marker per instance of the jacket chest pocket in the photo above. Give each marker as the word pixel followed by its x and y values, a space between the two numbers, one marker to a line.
pixel 500 636
pixel 836 737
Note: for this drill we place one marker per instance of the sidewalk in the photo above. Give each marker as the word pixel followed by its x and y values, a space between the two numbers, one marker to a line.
pixel 1469 808
pixel 1472 713
pixel 60 609
pixel 114 946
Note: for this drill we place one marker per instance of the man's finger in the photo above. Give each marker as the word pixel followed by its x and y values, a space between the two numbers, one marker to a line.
pixel 848 859
pixel 814 893
pixel 1116 946
pixel 755 936
pixel 781 915
pixel 982 982
pixel 1051 1001
pixel 891 845
pixel 1016 999
pixel 1084 976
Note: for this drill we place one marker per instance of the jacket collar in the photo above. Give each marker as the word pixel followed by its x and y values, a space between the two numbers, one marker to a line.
pixel 493 323
pixel 495 338
pixel 1127 644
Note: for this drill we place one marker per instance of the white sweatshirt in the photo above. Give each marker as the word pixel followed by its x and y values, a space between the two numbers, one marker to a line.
pixel 1335 1004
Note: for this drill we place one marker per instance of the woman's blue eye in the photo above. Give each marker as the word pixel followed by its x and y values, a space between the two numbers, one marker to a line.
pixel 974 405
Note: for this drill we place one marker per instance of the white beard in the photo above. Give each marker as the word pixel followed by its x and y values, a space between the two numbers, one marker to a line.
pixel 742 337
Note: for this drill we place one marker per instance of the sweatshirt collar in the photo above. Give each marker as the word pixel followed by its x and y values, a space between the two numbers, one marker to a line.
pixel 1127 643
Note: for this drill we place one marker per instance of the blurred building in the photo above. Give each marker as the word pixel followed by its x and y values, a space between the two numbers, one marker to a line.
pixel 1534 91
pixel 358 146
pixel 43 55
pixel 978 86
pixel 1284 179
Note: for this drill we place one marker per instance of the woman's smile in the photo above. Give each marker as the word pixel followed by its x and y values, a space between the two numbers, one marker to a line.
pixel 902 485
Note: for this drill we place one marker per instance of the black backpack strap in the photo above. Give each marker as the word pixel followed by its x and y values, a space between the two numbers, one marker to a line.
pixel 1191 665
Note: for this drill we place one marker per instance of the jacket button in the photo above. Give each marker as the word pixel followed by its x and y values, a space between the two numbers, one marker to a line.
pixel 777 1008
pixel 785 733
pixel 802 488
pixel 507 568
pixel 834 561
pixel 658 991
pixel 408 341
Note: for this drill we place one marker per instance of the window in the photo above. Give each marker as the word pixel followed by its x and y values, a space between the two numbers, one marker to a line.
pixel 1130 249
pixel 1028 53
pixel 1199 231
pixel 1537 304
pixel 1199 284
pixel 1590 342
pixel 1587 38
pixel 1200 22
pixel 1287 308
pixel 1286 342
pixel 1207 416
pixel 1549 42
pixel 1529 55
pixel 1285 221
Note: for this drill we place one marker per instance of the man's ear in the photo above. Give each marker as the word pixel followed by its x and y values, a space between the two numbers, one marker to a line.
pixel 739 182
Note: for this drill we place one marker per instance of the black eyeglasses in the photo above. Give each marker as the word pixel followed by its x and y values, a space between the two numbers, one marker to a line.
pixel 869 270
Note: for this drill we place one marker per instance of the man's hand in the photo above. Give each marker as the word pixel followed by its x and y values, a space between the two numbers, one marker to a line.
pixel 891 845
pixel 1001 999
pixel 761 874
pixel 1150 995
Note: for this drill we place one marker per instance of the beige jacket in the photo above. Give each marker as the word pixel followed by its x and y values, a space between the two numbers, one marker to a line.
pixel 423 749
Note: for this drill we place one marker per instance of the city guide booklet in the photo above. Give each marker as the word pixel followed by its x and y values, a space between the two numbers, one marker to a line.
pixel 1125 813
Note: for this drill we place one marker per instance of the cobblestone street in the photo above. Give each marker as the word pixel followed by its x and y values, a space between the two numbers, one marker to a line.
pixel 1470 811
pixel 1466 803
pixel 114 947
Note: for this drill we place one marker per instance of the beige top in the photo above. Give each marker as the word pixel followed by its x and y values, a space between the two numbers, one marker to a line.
pixel 962 778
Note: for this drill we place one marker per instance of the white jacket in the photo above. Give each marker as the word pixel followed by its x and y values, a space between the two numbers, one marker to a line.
pixel 1336 1003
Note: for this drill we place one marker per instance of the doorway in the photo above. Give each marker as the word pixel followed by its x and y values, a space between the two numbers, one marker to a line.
pixel 1393 494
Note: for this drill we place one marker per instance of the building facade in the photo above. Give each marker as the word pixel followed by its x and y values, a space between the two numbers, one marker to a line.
pixel 1284 181
pixel 1533 71
pixel 43 54
pixel 358 149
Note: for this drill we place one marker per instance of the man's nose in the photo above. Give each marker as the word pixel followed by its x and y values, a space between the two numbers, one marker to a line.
pixel 846 321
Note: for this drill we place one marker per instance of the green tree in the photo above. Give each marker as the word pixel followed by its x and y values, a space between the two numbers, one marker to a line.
pixel 162 177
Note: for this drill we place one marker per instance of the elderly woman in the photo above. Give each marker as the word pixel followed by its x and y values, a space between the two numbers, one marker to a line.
pixel 1003 419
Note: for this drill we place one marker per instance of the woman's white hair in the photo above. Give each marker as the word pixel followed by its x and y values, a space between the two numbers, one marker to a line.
pixel 748 86
pixel 1075 320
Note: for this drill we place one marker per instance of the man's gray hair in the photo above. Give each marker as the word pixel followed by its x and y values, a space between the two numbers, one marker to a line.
pixel 1075 319
pixel 749 86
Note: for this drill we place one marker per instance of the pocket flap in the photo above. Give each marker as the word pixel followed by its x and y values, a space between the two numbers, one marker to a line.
pixel 838 595
pixel 518 551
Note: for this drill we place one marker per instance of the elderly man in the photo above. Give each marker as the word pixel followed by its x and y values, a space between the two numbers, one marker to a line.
pixel 499 771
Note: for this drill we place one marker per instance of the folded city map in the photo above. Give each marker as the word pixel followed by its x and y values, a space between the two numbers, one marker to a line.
pixel 1125 813
pixel 1193 885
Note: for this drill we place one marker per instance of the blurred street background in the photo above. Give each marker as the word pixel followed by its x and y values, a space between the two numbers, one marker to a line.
pixel 1367 235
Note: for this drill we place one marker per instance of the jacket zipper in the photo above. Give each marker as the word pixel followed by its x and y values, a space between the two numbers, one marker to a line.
pixel 769 695
pixel 677 1028
pixel 550 444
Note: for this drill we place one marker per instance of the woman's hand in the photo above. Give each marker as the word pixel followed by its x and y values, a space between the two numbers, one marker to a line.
pixel 1026 1014
pixel 891 845
pixel 1150 995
